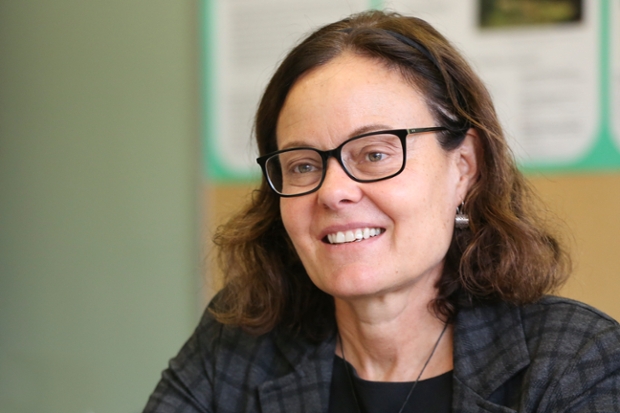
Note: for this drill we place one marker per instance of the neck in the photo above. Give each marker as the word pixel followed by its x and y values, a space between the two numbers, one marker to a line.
pixel 390 339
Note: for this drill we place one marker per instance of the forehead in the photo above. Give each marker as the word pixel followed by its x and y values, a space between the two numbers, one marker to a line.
pixel 349 94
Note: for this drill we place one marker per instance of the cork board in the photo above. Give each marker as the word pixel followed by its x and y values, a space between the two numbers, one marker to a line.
pixel 589 205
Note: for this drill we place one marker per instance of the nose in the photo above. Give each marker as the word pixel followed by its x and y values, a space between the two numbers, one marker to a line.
pixel 338 189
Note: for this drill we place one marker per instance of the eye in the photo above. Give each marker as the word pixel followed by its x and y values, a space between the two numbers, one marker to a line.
pixel 303 168
pixel 300 162
pixel 375 156
pixel 375 152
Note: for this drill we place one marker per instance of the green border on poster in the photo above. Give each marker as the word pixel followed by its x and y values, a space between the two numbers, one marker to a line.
pixel 213 167
pixel 603 155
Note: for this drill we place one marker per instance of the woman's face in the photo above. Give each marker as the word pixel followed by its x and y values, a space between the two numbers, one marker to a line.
pixel 413 212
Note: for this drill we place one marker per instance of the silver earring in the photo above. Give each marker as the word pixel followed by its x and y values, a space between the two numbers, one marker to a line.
pixel 461 220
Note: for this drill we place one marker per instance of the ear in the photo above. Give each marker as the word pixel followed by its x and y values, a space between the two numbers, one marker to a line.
pixel 467 163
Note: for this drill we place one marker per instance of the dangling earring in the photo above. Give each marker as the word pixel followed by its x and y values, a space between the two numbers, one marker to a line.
pixel 461 220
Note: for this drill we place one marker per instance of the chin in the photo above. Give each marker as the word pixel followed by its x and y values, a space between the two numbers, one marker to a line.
pixel 350 286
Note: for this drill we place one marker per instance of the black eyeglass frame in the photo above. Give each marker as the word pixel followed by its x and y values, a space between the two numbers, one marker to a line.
pixel 337 153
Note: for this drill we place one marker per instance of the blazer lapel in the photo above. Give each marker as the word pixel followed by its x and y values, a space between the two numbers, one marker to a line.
pixel 306 389
pixel 489 350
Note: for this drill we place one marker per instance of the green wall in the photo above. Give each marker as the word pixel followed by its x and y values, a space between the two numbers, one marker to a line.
pixel 99 176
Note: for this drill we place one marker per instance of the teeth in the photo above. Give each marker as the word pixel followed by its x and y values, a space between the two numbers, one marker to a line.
pixel 359 234
pixel 340 237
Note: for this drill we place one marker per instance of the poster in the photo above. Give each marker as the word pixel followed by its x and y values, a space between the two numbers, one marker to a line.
pixel 552 67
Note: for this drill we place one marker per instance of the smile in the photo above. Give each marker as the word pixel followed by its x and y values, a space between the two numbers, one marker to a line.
pixel 355 235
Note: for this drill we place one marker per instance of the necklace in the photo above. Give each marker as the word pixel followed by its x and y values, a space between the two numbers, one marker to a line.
pixel 415 383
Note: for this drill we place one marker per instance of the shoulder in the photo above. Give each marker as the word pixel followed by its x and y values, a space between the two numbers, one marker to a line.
pixel 576 348
pixel 559 309
pixel 249 370
pixel 232 353
pixel 223 368
pixel 544 319
pixel 553 328
pixel 554 353
pixel 192 380
pixel 564 321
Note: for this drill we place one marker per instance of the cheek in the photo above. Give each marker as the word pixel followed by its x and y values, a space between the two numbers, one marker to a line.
pixel 293 217
pixel 286 213
pixel 424 204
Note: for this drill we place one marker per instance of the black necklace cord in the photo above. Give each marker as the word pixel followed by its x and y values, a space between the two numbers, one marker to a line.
pixel 349 374
pixel 415 383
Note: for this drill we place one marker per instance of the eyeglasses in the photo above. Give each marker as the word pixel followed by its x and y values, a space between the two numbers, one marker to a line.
pixel 370 157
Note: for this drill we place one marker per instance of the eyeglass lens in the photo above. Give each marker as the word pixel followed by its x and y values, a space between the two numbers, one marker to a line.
pixel 367 158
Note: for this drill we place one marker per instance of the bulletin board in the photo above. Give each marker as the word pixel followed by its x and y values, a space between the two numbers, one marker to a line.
pixel 552 67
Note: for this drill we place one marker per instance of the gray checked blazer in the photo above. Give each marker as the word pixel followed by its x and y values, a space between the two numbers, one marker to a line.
pixel 555 355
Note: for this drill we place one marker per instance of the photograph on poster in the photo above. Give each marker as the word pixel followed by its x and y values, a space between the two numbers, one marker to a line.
pixel 509 13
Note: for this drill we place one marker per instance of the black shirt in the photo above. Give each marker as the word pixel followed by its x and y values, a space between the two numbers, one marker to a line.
pixel 432 395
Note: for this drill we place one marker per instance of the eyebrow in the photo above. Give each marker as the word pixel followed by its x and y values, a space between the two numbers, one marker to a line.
pixel 356 132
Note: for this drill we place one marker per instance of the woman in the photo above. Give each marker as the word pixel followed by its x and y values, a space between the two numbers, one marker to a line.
pixel 391 259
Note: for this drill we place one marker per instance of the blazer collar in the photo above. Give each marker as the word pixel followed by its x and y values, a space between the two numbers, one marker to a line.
pixel 307 385
pixel 489 349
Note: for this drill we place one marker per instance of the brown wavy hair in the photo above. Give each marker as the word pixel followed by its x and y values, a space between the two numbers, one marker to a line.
pixel 506 254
